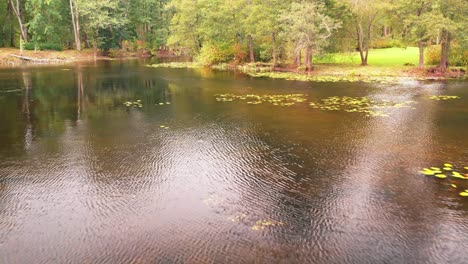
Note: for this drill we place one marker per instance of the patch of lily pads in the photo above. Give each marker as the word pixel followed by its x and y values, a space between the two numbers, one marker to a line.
pixel 136 103
pixel 373 108
pixel 444 97
pixel 259 224
pixel 292 76
pixel 176 65
pixel 254 99
pixel 448 171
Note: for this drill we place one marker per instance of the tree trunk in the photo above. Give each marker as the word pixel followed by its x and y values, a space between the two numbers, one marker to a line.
pixel 307 60
pixel 251 49
pixel 298 59
pixel 12 33
pixel 360 39
pixel 95 45
pixel 17 11
pixel 421 55
pixel 76 25
pixel 445 49
pixel 273 55
pixel 86 40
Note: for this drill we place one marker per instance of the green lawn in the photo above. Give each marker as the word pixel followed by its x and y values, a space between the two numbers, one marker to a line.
pixel 377 57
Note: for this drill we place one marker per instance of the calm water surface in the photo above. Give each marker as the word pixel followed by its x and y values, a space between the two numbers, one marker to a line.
pixel 85 179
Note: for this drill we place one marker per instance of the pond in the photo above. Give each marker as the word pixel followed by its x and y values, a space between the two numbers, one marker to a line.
pixel 115 162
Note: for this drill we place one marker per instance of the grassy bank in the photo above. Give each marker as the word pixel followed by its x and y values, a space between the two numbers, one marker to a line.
pixel 377 57
pixel 385 65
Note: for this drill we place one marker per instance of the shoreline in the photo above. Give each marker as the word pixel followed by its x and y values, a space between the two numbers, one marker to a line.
pixel 10 58
pixel 330 72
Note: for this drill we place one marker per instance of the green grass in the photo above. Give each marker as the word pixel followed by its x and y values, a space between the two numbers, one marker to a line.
pixel 377 57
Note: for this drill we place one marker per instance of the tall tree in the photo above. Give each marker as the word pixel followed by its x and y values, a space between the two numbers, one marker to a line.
pixel 18 6
pixel 365 14
pixel 453 19
pixel 104 15
pixel 308 26
pixel 75 17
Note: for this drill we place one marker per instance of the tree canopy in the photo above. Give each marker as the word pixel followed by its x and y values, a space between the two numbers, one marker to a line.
pixel 213 31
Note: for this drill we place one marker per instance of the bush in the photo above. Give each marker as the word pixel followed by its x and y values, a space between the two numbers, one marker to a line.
pixel 387 43
pixel 432 55
pixel 457 57
pixel 211 54
pixel 239 54
pixel 43 46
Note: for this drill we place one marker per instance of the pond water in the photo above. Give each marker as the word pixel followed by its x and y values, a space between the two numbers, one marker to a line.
pixel 86 179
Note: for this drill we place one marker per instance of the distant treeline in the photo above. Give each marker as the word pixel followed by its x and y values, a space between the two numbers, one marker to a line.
pixel 214 31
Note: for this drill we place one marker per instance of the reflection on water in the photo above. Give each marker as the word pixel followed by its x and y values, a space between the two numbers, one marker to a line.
pixel 83 178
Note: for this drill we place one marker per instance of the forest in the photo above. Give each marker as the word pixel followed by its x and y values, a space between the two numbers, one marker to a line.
pixel 241 31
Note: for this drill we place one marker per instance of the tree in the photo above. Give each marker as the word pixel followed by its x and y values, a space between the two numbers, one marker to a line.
pixel 308 26
pixel 184 26
pixel 17 6
pixel 453 19
pixel 365 14
pixel 149 21
pixel 75 15
pixel 44 16
pixel 419 19
pixel 101 15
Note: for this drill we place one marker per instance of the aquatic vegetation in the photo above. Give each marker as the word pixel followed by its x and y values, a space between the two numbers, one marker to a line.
pixel 444 97
pixel 163 103
pixel 137 103
pixel 164 127
pixel 323 78
pixel 253 99
pixel 176 65
pixel 238 218
pixel 262 224
pixel 364 105
pixel 450 172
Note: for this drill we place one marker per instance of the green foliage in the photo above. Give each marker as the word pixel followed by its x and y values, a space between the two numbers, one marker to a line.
pixel 211 54
pixel 387 43
pixel 43 46
pixel 432 55
pixel 457 57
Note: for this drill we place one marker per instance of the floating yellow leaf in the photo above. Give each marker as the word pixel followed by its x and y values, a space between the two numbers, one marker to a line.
pixel 441 176
pixel 453 185
pixel 464 194
pixel 428 173
pixel 448 165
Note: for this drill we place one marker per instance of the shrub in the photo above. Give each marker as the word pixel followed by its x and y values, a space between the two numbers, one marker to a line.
pixel 457 57
pixel 387 43
pixel 43 46
pixel 432 55
pixel 211 54
pixel 239 54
